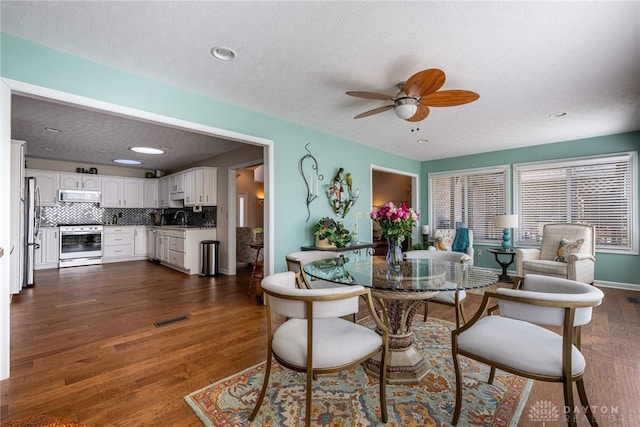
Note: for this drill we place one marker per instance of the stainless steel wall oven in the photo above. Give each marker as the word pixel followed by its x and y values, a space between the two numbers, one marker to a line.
pixel 80 244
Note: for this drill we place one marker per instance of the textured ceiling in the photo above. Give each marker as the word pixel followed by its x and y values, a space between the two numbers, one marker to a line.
pixel 296 60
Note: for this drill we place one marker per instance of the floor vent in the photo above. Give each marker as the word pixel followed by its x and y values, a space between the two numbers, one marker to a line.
pixel 170 321
pixel 633 300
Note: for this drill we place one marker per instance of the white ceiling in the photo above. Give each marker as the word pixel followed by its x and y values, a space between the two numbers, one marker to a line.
pixel 296 60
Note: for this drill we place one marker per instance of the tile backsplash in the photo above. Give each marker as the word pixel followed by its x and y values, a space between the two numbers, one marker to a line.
pixel 91 213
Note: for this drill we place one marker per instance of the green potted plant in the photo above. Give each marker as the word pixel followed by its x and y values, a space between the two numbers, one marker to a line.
pixel 329 232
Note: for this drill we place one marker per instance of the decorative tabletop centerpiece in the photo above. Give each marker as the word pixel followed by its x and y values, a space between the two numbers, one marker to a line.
pixel 329 232
pixel 396 224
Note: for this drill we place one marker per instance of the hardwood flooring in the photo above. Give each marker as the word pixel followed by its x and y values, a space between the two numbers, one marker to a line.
pixel 85 345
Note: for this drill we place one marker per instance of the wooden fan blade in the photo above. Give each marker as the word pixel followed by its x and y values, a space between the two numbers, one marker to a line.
pixel 370 95
pixel 421 113
pixel 450 98
pixel 424 82
pixel 374 111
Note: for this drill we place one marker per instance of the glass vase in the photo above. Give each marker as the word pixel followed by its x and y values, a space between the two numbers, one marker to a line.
pixel 394 254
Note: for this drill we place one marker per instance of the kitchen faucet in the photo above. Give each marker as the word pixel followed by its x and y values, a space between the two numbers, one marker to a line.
pixel 184 217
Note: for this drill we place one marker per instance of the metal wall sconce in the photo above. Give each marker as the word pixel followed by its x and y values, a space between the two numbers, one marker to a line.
pixel 342 200
pixel 313 182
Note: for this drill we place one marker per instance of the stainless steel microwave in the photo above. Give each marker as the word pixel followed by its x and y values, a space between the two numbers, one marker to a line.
pixel 86 196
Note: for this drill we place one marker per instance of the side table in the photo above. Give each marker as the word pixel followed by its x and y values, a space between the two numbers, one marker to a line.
pixel 497 253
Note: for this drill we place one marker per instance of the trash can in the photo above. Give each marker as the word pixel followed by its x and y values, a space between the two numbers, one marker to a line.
pixel 209 258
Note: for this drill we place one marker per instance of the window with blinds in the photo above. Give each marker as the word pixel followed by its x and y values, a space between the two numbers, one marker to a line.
pixel 594 190
pixel 473 196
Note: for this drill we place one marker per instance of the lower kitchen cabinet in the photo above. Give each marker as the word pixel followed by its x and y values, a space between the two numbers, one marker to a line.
pixel 117 243
pixel 47 252
pixel 179 248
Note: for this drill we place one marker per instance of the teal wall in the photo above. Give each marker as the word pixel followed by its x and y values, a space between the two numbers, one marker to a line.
pixel 609 267
pixel 38 65
pixel 35 64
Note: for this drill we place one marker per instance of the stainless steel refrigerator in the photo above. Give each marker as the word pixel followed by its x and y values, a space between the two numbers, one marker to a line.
pixel 32 220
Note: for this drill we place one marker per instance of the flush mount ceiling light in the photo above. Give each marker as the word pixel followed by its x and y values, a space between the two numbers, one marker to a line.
pixel 558 114
pixel 147 150
pixel 49 149
pixel 54 130
pixel 223 53
pixel 423 141
pixel 127 162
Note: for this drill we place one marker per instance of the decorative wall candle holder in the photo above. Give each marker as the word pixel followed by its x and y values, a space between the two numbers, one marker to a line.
pixel 313 182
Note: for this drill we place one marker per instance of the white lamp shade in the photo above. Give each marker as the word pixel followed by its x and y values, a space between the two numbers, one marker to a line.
pixel 506 221
pixel 425 229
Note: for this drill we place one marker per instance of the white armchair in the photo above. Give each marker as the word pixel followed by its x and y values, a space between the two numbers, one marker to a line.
pixel 446 236
pixel 314 338
pixel 518 340
pixel 574 261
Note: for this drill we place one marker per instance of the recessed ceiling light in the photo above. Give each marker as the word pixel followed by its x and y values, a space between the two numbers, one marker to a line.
pixel 423 141
pixel 54 130
pixel 223 53
pixel 127 162
pixel 146 150
pixel 49 149
pixel 165 148
pixel 558 114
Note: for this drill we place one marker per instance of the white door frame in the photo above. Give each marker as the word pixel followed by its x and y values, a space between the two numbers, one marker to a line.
pixel 21 88
pixel 415 182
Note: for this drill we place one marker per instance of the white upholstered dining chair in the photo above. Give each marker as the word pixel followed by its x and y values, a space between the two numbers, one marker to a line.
pixel 297 260
pixel 314 338
pixel 449 298
pixel 519 341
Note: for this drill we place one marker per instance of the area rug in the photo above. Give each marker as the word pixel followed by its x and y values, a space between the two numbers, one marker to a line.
pixel 351 398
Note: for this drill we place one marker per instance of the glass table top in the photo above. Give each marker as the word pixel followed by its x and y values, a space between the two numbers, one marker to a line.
pixel 414 275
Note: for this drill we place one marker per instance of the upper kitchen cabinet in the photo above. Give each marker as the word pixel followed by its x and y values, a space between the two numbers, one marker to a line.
pixel 122 192
pixel 164 194
pixel 150 193
pixel 79 181
pixel 200 187
pixel 47 183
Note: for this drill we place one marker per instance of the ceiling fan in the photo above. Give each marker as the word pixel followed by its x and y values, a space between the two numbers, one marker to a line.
pixel 416 95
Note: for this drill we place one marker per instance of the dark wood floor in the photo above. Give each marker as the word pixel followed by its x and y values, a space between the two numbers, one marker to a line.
pixel 84 345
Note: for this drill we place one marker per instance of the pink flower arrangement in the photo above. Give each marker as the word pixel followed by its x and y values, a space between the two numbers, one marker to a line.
pixel 396 222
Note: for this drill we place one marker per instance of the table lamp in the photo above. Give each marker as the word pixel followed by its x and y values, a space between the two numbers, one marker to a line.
pixel 506 222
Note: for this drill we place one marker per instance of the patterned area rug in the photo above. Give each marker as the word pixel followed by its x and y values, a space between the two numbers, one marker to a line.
pixel 350 398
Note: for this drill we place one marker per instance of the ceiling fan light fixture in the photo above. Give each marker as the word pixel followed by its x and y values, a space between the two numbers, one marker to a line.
pixel 406 107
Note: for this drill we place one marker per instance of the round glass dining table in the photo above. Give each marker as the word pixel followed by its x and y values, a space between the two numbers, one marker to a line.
pixel 399 293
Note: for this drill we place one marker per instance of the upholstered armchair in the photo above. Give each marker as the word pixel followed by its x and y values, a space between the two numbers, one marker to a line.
pixel 567 250
pixel 444 238
pixel 519 341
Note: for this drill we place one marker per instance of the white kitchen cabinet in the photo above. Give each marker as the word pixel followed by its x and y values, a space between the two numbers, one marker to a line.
pixel 164 195
pixel 200 187
pixel 140 241
pixel 150 193
pixel 47 253
pixel 47 182
pixel 120 192
pixel 79 181
pixel 117 243
pixel 180 248
pixel 210 186
pixel 190 192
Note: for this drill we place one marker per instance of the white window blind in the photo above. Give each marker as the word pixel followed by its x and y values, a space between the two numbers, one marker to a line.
pixel 597 191
pixel 473 197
